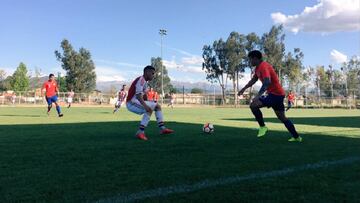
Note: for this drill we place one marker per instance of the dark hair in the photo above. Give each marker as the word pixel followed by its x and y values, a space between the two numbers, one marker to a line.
pixel 149 68
pixel 255 54
pixel 51 75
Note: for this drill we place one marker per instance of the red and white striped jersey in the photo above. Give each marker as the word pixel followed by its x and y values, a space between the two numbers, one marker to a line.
pixel 138 86
pixel 70 94
pixel 122 95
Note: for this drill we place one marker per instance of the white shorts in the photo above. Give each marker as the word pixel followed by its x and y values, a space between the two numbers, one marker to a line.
pixel 118 103
pixel 137 108
pixel 69 99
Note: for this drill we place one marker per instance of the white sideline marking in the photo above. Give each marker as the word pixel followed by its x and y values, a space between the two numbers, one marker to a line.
pixel 185 188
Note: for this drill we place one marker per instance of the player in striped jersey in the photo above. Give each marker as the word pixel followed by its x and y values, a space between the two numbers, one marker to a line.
pixel 121 98
pixel 135 103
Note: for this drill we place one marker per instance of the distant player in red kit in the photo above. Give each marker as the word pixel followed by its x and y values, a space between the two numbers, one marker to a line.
pixel 52 90
pixel 291 100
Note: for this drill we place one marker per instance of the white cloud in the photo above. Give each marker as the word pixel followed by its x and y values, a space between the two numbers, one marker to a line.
pixel 181 51
pixel 194 69
pixel 325 17
pixel 175 49
pixel 337 57
pixel 8 71
pixel 104 78
pixel 119 63
pixel 54 71
pixel 183 67
pixel 106 74
pixel 193 60
pixel 171 64
pixel 190 79
pixel 190 64
pixel 116 71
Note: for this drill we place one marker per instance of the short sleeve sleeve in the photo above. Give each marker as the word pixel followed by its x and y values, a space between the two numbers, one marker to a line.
pixel 140 86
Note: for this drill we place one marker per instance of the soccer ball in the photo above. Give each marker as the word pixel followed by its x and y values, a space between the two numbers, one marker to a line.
pixel 208 128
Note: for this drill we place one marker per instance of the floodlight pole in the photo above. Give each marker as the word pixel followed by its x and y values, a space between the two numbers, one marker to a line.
pixel 345 71
pixel 162 32
pixel 331 84
pixel 59 80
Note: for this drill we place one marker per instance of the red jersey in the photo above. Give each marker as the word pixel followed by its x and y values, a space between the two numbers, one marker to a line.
pixel 50 87
pixel 156 96
pixel 122 95
pixel 291 97
pixel 138 86
pixel 150 95
pixel 71 94
pixel 265 70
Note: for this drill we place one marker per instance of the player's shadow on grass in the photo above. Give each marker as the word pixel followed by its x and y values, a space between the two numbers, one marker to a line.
pixel 99 159
pixel 351 121
pixel 17 115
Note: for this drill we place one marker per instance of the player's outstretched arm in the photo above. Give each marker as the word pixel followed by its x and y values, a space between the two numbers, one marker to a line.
pixel 249 84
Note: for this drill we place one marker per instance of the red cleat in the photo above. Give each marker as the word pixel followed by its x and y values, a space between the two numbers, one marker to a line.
pixel 166 131
pixel 141 136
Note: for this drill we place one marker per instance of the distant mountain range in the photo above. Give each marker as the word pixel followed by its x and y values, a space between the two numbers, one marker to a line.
pixel 179 85
pixel 187 86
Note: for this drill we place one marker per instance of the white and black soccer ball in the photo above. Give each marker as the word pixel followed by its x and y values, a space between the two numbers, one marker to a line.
pixel 208 128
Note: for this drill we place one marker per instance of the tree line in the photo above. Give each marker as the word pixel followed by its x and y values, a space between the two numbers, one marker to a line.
pixel 80 73
pixel 226 60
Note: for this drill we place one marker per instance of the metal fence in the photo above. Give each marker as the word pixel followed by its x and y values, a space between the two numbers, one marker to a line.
pixel 31 98
pixel 310 100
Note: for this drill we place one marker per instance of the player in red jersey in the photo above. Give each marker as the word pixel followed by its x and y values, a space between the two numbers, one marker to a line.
pixel 52 90
pixel 291 100
pixel 121 98
pixel 274 98
pixel 151 95
pixel 135 103
pixel 156 96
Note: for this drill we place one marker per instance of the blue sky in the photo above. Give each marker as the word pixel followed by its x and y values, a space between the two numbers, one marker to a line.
pixel 123 35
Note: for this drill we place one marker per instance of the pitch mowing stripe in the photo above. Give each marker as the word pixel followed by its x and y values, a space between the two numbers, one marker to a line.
pixel 185 188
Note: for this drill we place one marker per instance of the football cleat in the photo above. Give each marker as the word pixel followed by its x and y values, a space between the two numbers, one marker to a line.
pixel 299 139
pixel 141 136
pixel 262 131
pixel 166 131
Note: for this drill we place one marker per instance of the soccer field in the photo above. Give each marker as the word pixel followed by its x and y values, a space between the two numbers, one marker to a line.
pixel 91 155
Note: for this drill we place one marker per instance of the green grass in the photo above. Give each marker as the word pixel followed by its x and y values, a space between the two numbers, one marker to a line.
pixel 91 154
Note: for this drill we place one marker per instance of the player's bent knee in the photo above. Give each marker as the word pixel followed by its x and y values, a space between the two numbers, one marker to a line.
pixel 254 105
